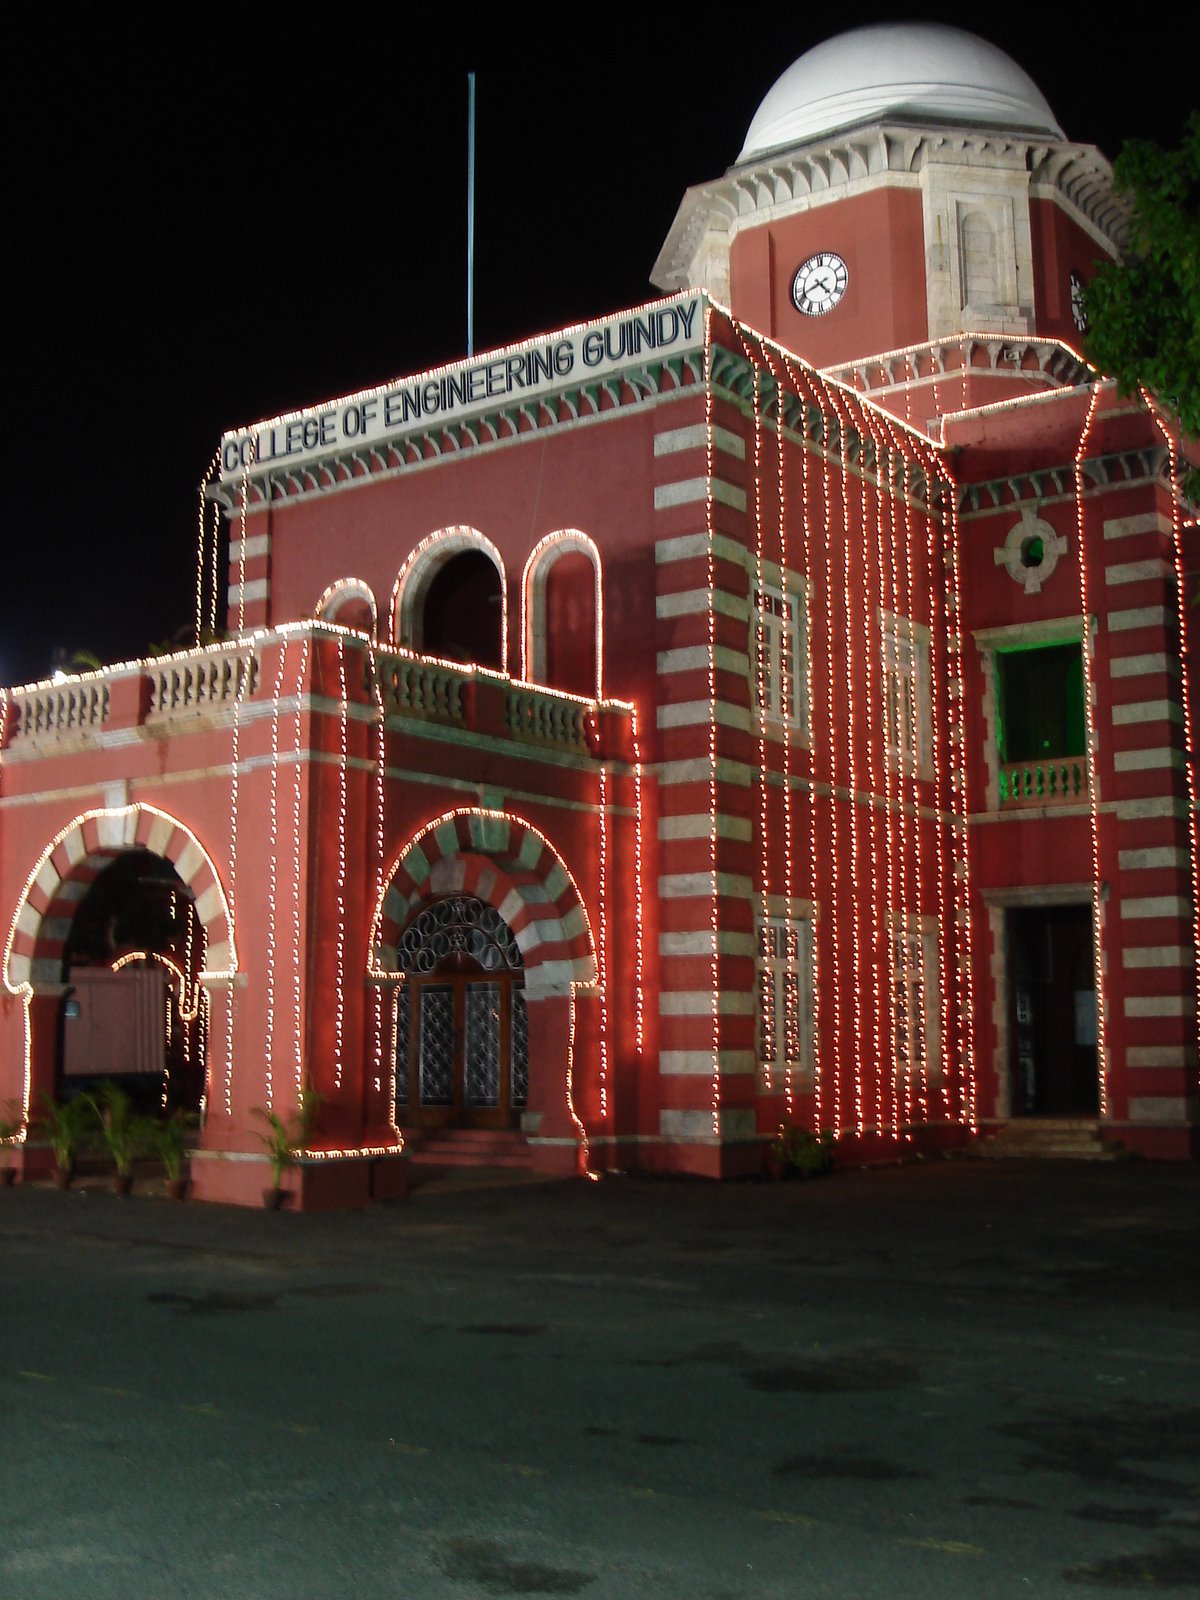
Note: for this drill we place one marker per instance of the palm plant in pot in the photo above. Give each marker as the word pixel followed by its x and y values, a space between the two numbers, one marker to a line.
pixel 284 1139
pixel 170 1141
pixel 124 1133
pixel 12 1120
pixel 65 1127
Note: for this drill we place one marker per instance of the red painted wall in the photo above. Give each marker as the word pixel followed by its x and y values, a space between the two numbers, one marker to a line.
pixel 879 236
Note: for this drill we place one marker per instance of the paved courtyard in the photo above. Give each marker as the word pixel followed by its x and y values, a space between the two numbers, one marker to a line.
pixel 957 1379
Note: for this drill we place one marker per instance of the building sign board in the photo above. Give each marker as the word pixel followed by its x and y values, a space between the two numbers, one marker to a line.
pixel 591 352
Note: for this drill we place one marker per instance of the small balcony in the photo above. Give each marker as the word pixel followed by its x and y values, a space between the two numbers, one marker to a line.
pixel 1052 781
pixel 212 688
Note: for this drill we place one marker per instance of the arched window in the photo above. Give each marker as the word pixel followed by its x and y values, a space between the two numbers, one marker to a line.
pixel 460 615
pixel 564 629
pixel 451 600
pixel 351 603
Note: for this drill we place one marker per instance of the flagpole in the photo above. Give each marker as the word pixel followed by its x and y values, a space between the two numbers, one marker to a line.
pixel 470 213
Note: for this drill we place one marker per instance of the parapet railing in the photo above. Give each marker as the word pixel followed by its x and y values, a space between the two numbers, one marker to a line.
pixel 202 687
pixel 53 713
pixel 183 685
pixel 1053 781
pixel 427 689
pixel 542 717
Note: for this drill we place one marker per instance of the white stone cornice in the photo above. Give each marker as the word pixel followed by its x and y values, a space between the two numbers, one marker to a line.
pixel 829 169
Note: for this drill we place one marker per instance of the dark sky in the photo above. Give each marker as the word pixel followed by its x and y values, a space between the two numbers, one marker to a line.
pixel 241 219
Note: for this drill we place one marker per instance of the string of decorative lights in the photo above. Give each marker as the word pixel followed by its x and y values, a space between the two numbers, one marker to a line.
pixel 809 406
pixel 235 754
pixel 297 934
pixel 1089 714
pixel 964 930
pixel 201 513
pixel 872 648
pixel 602 946
pixel 934 702
pixel 710 563
pixel 639 892
pixel 380 785
pixel 766 995
pixel 340 899
pixel 272 884
pixel 788 703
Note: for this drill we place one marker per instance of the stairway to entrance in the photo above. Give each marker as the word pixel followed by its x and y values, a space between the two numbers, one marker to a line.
pixel 467 1147
pixel 1048 1139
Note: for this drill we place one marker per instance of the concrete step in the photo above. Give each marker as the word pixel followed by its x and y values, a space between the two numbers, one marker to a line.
pixel 1048 1139
pixel 467 1147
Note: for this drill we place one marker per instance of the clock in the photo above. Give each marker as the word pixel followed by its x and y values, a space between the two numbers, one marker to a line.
pixel 819 284
pixel 1078 313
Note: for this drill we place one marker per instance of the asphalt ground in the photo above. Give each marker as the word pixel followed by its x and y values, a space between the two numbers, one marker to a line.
pixel 956 1379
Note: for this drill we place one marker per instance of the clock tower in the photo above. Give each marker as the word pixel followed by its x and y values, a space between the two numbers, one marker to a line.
pixel 902 184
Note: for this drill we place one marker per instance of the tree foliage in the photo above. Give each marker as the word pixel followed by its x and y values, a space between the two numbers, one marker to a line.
pixel 1144 313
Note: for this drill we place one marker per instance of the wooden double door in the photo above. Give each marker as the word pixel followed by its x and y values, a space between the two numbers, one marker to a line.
pixel 462 1048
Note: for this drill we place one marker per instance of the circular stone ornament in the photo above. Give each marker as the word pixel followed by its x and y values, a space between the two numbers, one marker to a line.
pixel 1030 551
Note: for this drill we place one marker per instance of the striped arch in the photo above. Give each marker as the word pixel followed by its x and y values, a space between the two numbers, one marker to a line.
pixel 508 864
pixel 69 866
pixel 343 593
pixel 418 572
pixel 533 601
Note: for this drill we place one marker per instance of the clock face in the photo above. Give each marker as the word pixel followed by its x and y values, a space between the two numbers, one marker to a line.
pixel 819 284
pixel 1078 314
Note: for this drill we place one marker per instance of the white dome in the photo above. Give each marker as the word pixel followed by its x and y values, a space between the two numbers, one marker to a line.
pixel 918 71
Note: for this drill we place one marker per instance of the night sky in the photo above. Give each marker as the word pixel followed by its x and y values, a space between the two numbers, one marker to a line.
pixel 204 233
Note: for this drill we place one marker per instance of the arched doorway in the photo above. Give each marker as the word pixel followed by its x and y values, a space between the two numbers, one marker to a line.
pixel 462 1030
pixel 462 615
pixel 133 1009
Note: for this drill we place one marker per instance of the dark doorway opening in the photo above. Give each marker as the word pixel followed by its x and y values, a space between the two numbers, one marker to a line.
pixel 134 1011
pixel 461 619
pixel 1052 1011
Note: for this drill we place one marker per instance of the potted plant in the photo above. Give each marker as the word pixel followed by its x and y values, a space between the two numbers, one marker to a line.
pixel 796 1151
pixel 125 1134
pixel 170 1142
pixel 12 1120
pixel 65 1127
pixel 284 1140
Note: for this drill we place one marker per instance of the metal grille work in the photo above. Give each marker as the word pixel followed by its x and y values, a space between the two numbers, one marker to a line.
pixel 458 925
pixel 403 1026
pixel 483 1045
pixel 520 1050
pixel 437 1046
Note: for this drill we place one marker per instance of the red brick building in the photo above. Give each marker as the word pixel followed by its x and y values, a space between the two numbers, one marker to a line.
pixel 767 704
